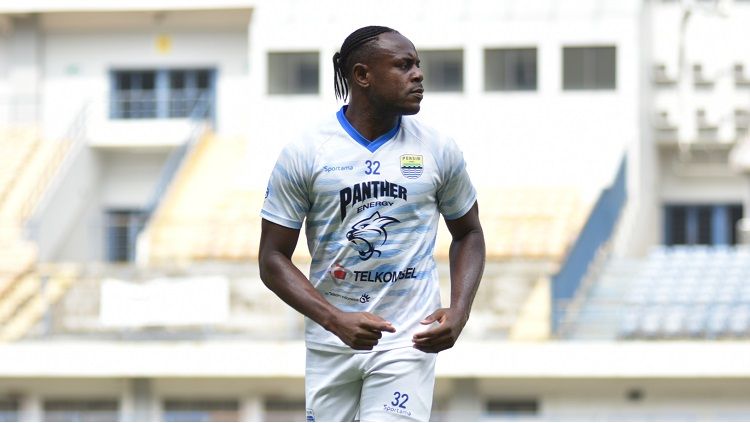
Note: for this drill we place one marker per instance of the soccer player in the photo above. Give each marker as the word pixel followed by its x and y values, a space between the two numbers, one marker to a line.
pixel 371 183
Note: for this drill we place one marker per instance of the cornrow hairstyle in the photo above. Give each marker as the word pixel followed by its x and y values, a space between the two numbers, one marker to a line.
pixel 342 65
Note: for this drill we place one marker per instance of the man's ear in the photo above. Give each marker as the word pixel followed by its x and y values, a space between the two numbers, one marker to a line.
pixel 361 75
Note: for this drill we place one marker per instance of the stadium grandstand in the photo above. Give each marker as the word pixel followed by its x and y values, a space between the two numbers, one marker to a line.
pixel 608 140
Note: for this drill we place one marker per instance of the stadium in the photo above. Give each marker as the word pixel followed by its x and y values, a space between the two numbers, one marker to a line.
pixel 608 141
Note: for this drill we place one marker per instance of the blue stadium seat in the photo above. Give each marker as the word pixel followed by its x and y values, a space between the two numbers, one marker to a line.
pixel 718 320
pixel 674 321
pixel 739 320
pixel 695 321
pixel 651 322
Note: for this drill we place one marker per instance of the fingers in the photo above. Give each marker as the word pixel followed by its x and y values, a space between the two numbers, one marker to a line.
pixel 373 322
pixel 429 336
pixel 427 320
pixel 438 316
pixel 434 340
pixel 438 338
pixel 365 330
pixel 435 348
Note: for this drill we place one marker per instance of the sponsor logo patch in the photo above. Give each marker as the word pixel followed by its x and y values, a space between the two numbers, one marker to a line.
pixel 412 166
pixel 339 272
pixel 337 168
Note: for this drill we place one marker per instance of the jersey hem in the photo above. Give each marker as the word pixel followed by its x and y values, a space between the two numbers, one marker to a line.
pixel 280 220
pixel 345 349
pixel 462 211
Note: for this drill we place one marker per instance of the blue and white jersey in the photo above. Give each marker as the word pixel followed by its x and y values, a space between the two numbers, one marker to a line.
pixel 372 210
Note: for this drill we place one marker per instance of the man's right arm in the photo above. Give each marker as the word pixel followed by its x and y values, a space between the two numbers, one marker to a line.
pixel 360 331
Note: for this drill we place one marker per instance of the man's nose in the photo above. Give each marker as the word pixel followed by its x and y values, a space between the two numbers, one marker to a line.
pixel 418 75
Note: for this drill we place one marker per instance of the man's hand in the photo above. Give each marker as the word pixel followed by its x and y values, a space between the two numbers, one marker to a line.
pixel 443 336
pixel 361 331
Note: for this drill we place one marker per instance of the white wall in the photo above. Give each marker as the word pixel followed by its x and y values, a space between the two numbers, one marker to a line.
pixel 70 226
pixel 128 178
pixel 706 28
pixel 54 221
pixel 81 49
pixel 547 137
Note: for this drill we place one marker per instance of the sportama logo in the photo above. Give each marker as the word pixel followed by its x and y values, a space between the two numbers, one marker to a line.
pixel 367 234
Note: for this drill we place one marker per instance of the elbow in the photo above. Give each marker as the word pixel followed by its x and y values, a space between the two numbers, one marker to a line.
pixel 264 267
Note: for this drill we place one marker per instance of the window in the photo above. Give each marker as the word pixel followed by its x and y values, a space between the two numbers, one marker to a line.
pixel 443 70
pixel 739 75
pixel 284 410
pixel 510 69
pixel 589 68
pixel 81 411
pixel 9 410
pixel 122 229
pixel 701 224
pixel 152 94
pixel 293 73
pixel 188 89
pixel 134 95
pixel 201 411
pixel 742 121
pixel 512 408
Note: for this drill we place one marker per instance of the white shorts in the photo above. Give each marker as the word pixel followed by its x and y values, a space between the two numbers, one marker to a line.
pixel 392 385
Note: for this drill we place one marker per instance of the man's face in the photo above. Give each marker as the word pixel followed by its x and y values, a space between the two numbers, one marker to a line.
pixel 395 76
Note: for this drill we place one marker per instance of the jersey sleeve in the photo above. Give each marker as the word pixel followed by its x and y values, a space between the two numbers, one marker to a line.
pixel 287 201
pixel 456 195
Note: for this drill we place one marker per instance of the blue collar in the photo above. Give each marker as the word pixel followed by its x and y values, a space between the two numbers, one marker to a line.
pixel 370 145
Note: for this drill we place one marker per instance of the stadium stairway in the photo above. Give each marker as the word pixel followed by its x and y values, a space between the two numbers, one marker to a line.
pixel 206 214
pixel 600 303
pixel 28 165
pixel 528 232
pixel 28 302
pixel 526 223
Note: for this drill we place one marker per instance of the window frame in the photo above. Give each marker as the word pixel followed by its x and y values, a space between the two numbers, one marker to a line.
pixel 425 64
pixel 273 89
pixel 590 70
pixel 702 223
pixel 503 84
pixel 168 102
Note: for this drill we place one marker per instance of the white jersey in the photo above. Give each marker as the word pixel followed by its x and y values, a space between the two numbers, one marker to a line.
pixel 372 210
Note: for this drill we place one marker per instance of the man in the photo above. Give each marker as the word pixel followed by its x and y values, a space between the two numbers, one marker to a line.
pixel 370 184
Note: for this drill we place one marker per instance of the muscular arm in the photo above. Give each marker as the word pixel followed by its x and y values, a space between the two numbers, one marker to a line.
pixel 466 256
pixel 280 275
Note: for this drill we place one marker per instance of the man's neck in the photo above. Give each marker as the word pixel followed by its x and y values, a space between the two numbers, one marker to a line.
pixel 368 122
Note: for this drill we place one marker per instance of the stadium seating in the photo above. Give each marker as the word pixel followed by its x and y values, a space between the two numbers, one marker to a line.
pixel 30 300
pixel 206 214
pixel 27 166
pixel 16 147
pixel 526 223
pixel 680 292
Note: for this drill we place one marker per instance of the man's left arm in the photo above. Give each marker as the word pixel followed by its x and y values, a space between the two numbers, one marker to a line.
pixel 466 256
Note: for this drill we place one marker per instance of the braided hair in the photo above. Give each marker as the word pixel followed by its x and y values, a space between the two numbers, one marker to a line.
pixel 343 59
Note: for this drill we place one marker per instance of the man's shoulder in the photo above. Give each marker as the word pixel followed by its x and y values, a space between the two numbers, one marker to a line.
pixel 423 132
pixel 311 137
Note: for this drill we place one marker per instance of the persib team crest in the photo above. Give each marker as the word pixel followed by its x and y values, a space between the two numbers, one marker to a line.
pixel 412 166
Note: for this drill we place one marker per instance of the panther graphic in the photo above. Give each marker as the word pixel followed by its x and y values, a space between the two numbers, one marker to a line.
pixel 367 234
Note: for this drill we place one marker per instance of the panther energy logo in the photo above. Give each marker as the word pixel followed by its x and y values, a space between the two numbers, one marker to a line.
pixel 368 234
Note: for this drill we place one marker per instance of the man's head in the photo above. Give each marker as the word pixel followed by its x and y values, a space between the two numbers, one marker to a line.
pixel 379 65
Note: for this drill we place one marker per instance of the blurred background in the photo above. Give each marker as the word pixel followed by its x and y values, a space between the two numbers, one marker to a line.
pixel 607 140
